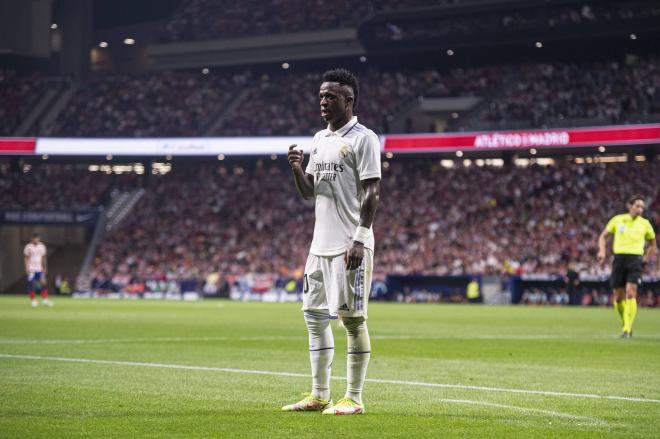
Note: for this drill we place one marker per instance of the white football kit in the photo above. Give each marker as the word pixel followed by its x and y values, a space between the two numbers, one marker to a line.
pixel 339 161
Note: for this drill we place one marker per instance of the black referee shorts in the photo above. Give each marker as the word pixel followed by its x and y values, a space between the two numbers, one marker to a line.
pixel 626 269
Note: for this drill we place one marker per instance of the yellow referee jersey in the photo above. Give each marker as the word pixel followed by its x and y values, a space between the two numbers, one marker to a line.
pixel 630 234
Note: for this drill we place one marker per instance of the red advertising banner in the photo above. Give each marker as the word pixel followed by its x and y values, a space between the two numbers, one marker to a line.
pixel 502 140
pixel 210 146
pixel 17 146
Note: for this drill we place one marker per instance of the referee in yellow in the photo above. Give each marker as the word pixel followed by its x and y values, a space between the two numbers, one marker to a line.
pixel 631 232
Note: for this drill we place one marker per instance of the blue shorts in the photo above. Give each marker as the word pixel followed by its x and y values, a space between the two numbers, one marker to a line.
pixel 32 277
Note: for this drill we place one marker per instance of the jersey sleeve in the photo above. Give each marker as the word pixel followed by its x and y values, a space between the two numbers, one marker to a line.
pixel 611 225
pixel 26 251
pixel 650 233
pixel 368 157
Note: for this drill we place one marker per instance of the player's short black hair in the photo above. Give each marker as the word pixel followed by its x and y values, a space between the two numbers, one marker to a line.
pixel 634 198
pixel 35 235
pixel 344 77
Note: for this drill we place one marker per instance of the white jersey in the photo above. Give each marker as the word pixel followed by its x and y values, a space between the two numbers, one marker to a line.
pixel 338 161
pixel 35 253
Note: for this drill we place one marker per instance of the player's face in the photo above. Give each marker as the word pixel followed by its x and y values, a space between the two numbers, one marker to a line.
pixel 334 102
pixel 35 240
pixel 637 208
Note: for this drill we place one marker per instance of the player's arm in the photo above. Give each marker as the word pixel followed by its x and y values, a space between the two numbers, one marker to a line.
pixel 304 182
pixel 602 243
pixel 371 189
pixel 650 250
pixel 26 261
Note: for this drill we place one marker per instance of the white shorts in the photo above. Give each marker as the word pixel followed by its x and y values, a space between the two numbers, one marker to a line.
pixel 327 285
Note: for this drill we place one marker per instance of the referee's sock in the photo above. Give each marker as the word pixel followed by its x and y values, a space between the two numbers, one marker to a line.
pixel 619 306
pixel 629 314
pixel 359 353
pixel 321 352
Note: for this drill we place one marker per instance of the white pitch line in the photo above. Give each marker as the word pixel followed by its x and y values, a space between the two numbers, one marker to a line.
pixel 490 337
pixel 146 340
pixel 505 390
pixel 527 410
pixel 283 338
pixel 158 365
pixel 301 375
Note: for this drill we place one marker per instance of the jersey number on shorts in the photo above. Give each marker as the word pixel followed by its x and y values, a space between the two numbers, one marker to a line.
pixel 305 285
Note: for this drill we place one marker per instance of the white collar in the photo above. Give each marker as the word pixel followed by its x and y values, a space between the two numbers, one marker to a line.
pixel 341 132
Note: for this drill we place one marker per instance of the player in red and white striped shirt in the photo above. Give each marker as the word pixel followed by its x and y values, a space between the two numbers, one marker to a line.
pixel 34 256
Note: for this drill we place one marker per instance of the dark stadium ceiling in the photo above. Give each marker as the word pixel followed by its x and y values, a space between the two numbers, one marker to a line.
pixel 117 13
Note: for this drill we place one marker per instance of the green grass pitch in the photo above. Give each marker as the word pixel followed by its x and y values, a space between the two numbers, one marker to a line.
pixel 223 369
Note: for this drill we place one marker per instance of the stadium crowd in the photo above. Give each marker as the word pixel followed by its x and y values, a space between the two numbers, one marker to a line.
pixel 426 27
pixel 169 103
pixel 152 105
pixel 214 19
pixel 533 220
pixel 58 188
pixel 19 92
pixel 545 95
pixel 284 102
pixel 233 221
pixel 197 221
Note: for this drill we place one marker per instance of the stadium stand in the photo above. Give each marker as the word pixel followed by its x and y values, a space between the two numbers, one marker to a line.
pixel 551 95
pixel 59 188
pixel 214 19
pixel 159 104
pixel 18 93
pixel 553 16
pixel 224 219
pixel 526 220
pixel 285 103
pixel 202 219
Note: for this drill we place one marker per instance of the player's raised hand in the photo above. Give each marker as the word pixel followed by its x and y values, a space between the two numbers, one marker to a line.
pixel 295 157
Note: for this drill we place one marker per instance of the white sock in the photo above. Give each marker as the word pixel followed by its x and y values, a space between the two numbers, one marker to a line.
pixel 321 351
pixel 359 353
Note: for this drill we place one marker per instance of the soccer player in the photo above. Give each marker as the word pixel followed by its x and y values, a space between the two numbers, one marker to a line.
pixel 34 256
pixel 343 177
pixel 631 231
